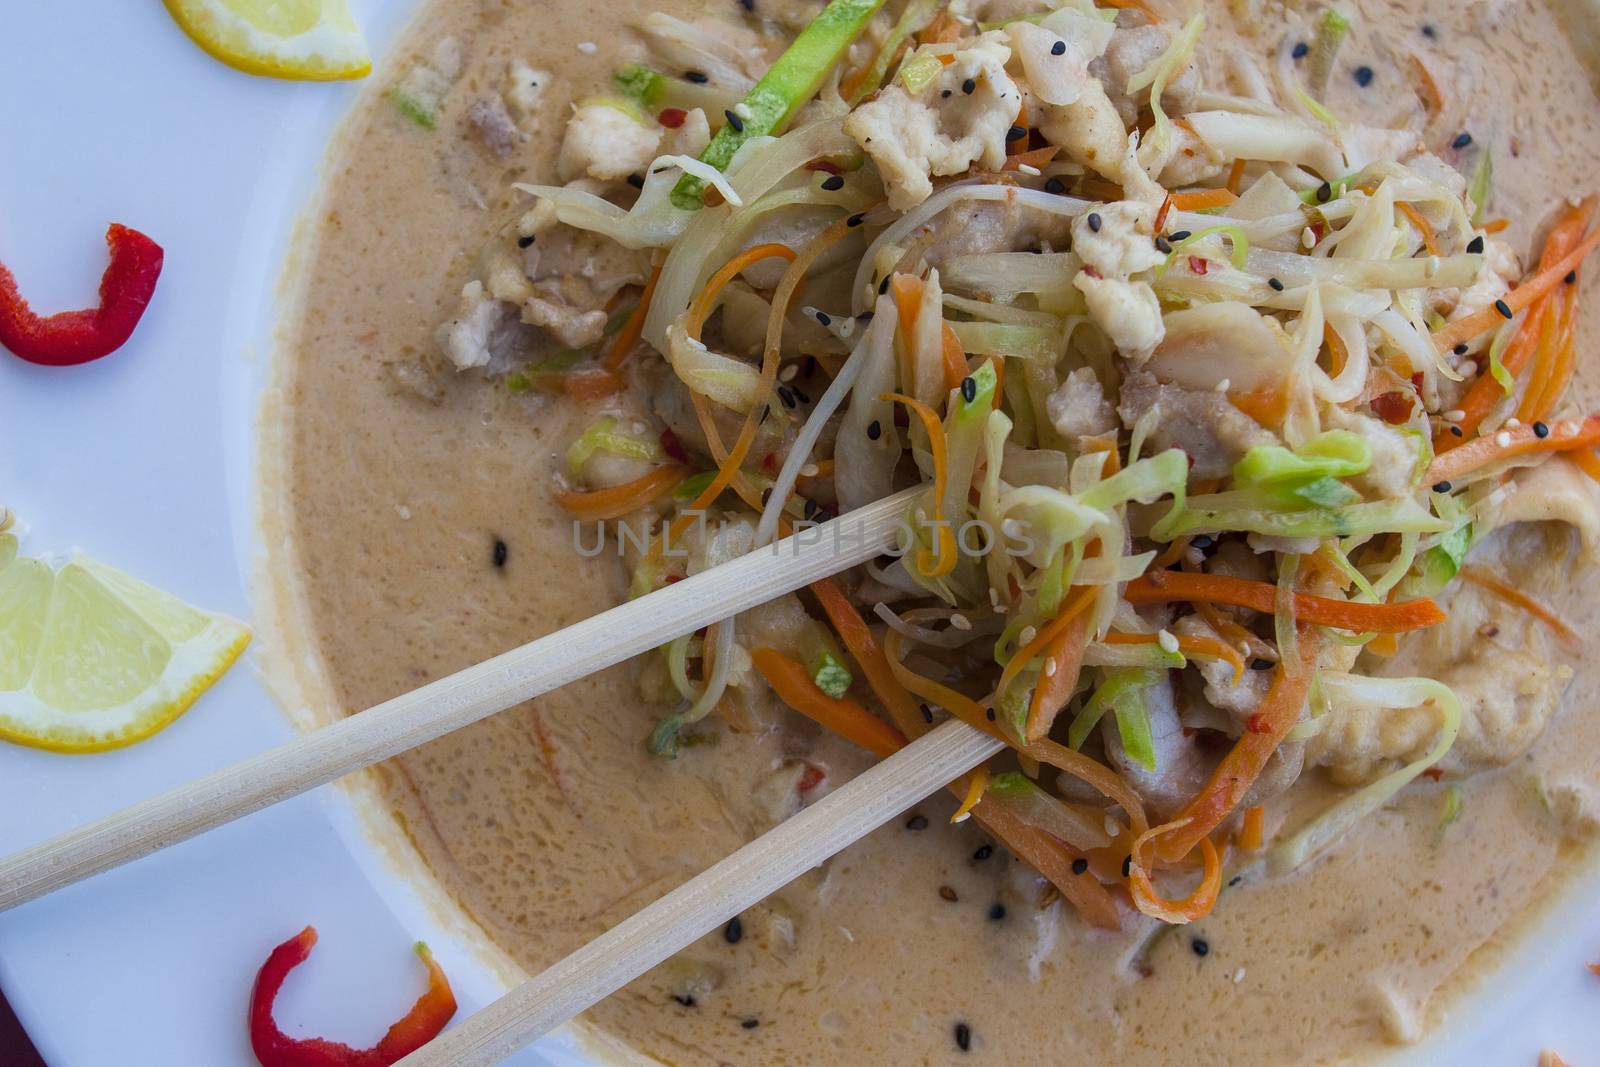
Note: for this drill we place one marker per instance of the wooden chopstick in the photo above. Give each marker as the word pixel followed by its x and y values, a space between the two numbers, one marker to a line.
pixel 710 899
pixel 450 703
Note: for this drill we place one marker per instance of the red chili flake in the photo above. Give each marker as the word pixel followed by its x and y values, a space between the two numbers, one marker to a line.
pixel 1416 381
pixel 769 462
pixel 1258 724
pixel 1433 774
pixel 72 337
pixel 1317 230
pixel 1092 271
pixel 672 446
pixel 672 117
pixel 1394 407
pixel 813 777
pixel 673 579
pixel 1199 264
pixel 825 166
pixel 1161 216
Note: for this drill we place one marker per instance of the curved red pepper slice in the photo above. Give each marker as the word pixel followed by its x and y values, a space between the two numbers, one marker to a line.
pixel 74 337
pixel 274 1048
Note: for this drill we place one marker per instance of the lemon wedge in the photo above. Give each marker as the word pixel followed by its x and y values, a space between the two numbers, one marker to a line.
pixel 91 658
pixel 305 40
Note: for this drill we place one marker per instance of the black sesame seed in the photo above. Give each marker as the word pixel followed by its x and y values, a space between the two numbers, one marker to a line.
pixel 1094 221
pixel 983 852
pixel 766 497
pixel 733 933
pixel 1462 140
pixel 917 822
pixel 948 894
pixel 1201 947
pixel 1429 32
pixel 1571 276
pixel 1163 245
pixel 1235 880
pixel 696 76
pixel 1541 431
pixel 865 316
pixel 1127 865
pixel 874 430
pixel 927 713
pixel 989 712
pixel 1275 285
pixel 750 1024
pixel 810 509
pixel 735 121
pixel 525 242
pixel 1441 487
pixel 1059 48
pixel 500 552
pixel 1178 235
pixel 1261 664
pixel 1455 431
pixel 1015 133
pixel 1363 76
pixel 1301 49
pixel 800 394
pixel 997 911
pixel 1324 193
pixel 1475 245
pixel 686 999
pixel 833 182
pixel 636 180
pixel 1460 349
pixel 786 395
pixel 969 389
pixel 969 86
pixel 945 95
pixel 855 220
pixel 824 318
pixel 963 1036
pixel 748 5
pixel 1080 865
pixel 1503 307
pixel 1055 186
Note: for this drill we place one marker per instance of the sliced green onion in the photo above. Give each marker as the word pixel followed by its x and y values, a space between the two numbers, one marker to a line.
pixel 1450 810
pixel 1238 242
pixel 920 72
pixel 601 437
pixel 1481 184
pixel 831 676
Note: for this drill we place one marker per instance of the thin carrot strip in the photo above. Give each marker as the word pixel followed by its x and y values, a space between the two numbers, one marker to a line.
pixel 1069 611
pixel 1564 436
pixel 615 501
pixel 1198 904
pixel 843 716
pixel 1095 773
pixel 1486 394
pixel 907 291
pixel 1497 585
pixel 1565 358
pixel 1424 228
pixel 700 310
pixel 1236 176
pixel 1279 710
pixel 1035 157
pixel 1252 834
pixel 627 338
pixel 1588 462
pixel 1544 361
pixel 591 384
pixel 942 560
pixel 1202 199
pixel 1056 684
pixel 999 362
pixel 1480 322
pixel 1494 226
pixel 857 637
pixel 1190 645
pixel 955 360
pixel 976 784
pixel 1163 586
pixel 944 29
pixel 1051 858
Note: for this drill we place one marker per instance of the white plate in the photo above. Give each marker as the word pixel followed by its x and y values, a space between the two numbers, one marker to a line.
pixel 145 460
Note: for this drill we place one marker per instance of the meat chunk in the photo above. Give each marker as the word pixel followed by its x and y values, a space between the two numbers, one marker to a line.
pixel 1227 341
pixel 1131 51
pixel 1213 432
pixel 958 119
pixel 1181 768
pixel 483 332
pixel 1114 243
pixel 1395 454
pixel 604 141
pixel 1090 131
pixel 1079 408
pixel 494 125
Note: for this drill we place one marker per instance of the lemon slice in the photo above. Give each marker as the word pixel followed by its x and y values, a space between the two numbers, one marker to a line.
pixel 306 40
pixel 91 658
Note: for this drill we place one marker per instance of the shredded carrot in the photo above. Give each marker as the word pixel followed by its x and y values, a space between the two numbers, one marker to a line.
pixel 1252 834
pixel 955 360
pixel 1424 228
pixel 615 501
pixel 1545 391
pixel 1189 645
pixel 1431 96
pixel 1198 904
pixel 858 639
pixel 1268 406
pixel 1486 394
pixel 1494 226
pixel 976 784
pixel 1563 436
pixel 1075 605
pixel 1479 575
pixel 700 310
pixel 942 559
pixel 960 705
pixel 1385 645
pixel 1059 679
pixel 1095 773
pixel 1587 461
pixel 1479 322
pixel 1140 6
pixel 1157 587
pixel 1202 199
pixel 844 717
pixel 1170 555
pixel 1236 176
pixel 999 362
pixel 1279 710
pixel 591 383
pixel 1034 157
pixel 907 291
pixel 627 338
pixel 1162 212
pixel 1051 858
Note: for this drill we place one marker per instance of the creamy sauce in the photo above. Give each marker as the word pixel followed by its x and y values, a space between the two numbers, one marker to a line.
pixel 549 823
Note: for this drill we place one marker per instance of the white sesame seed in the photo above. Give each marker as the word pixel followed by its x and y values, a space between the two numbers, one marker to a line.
pixel 1224 385
pixel 808 471
pixel 963 817
pixel 399 509
pixel 1430 267
pixel 1028 634
pixel 1454 415
pixel 789 373
pixel 1113 828
pixel 1513 422
pixel 1569 428
pixel 1029 169
pixel 742 109
pixel 1238 976
pixel 1502 439
pixel 1049 666
pixel 1308 238
pixel 588 48
pixel 960 621
pixel 1167 641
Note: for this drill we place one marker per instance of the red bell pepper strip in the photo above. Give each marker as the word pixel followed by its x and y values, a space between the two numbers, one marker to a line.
pixel 74 337
pixel 274 1048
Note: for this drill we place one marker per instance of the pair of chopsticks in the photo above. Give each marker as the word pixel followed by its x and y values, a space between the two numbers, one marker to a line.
pixel 403 723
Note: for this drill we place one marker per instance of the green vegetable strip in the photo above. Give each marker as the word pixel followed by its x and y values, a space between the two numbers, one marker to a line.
pixel 917 14
pixel 1482 182
pixel 1331 32
pixel 831 676
pixel 792 80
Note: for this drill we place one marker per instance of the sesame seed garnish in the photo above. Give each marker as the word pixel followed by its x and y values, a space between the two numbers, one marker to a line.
pixel 969 86
pixel 983 852
pixel 1029 169
pixel 927 713
pixel 636 180
pixel 960 621
pixel 1301 50
pixel 963 1036
pixel 1456 431
pixel 750 1024
pixel 1541 431
pixel 1475 245
pixel 1201 947
pixel 1503 308
pixel 997 911
pixel 1080 865
pixel 734 120
pixel 969 389
pixel 833 182
pixel 824 318
pixel 786 395
pixel 1454 415
pixel 1178 235
pixel 733 933
pixel 698 77
pixel 1094 221
pixel 1055 186
pixel 809 470
pixel 855 220
pixel 1571 276
pixel 789 373
pixel 1050 667
pixel 1275 285
pixel 1460 349
pixel 766 497
pixel 686 999
pixel 874 430
pixel 1028 634
pixel 525 242
pixel 1163 245
pixel 1308 238
pixel 948 894
pixel 1167 640
pixel 1513 422
pixel 1462 140
pixel 500 552
pixel 1324 193
pixel 1441 487
pixel 1363 76
pixel 1059 48
pixel 1261 664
